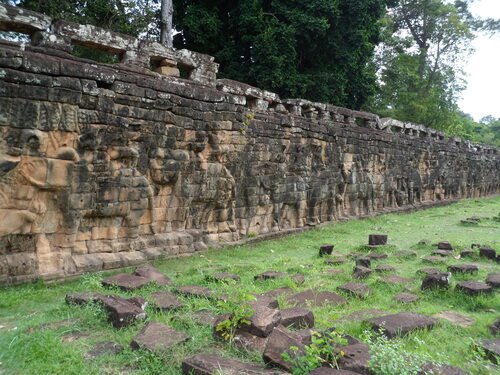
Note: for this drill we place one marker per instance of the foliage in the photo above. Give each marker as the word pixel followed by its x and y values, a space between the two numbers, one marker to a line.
pixel 425 46
pixel 388 357
pixel 486 131
pixel 237 306
pixel 322 351
pixel 318 49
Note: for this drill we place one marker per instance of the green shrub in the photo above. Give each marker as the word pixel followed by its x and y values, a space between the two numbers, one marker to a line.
pixel 237 305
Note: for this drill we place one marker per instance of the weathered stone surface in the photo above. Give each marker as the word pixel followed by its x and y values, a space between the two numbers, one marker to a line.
pixel 165 300
pixel 355 358
pixel 445 245
pixel 377 256
pixel 315 298
pixel 492 348
pixel 262 321
pixel 487 252
pixel 361 315
pixel 105 166
pixel 356 289
pixel 151 273
pixel 495 328
pixel 209 364
pixel 297 317
pixel 474 288
pixel 361 272
pixel 157 337
pixel 126 281
pixel 406 254
pixel 336 260
pixel 280 341
pixel 81 298
pixel 122 312
pixel 434 259
pixel 278 292
pixel 406 297
pixel 439 280
pixel 467 253
pixel 493 279
pixel 377 239
pixel 298 279
pixel 402 323
pixel 103 348
pixel 204 317
pixel 245 340
pixel 429 271
pixel 434 369
pixel 456 318
pixel 364 262
pixel 442 253
pixel 325 250
pixel 384 268
pixel 268 275
pixel 266 300
pixel 393 279
pixel 196 291
pixel 463 268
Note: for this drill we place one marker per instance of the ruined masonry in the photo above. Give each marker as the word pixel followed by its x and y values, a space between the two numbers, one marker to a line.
pixel 104 166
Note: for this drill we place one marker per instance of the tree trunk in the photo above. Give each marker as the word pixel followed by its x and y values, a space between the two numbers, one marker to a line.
pixel 166 34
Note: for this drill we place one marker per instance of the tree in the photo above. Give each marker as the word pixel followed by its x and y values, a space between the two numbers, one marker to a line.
pixel 317 49
pixel 166 32
pixel 426 43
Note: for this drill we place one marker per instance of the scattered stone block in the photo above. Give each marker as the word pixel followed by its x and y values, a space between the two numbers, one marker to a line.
pixel 303 299
pixel 356 289
pixel 210 364
pixel 439 280
pixel 455 318
pixel 355 254
pixel 429 271
pixel 82 298
pixel 157 337
pixel 487 252
pixel 298 279
pixel 445 245
pixel 277 292
pixel 492 348
pixel 493 279
pixel 325 250
pixel 424 242
pixel 377 256
pixel 165 300
pixel 471 222
pixel 224 276
pixel 280 341
pixel 438 369
pixel 126 281
pixel 463 268
pixel 406 297
pixel 474 288
pixel 122 312
pixel 442 253
pixel 384 268
pixel 361 272
pixel 196 291
pixel 466 253
pixel 102 348
pixel 262 321
pixel 297 317
pixel 356 358
pixel 396 280
pixel 269 275
pixel 495 328
pixel 265 300
pixel 377 239
pixel 364 262
pixel 151 273
pixel 247 341
pixel 402 323
pixel 406 254
pixel 334 271
pixel 204 317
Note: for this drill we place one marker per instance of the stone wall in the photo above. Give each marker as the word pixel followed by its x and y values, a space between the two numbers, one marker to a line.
pixel 105 166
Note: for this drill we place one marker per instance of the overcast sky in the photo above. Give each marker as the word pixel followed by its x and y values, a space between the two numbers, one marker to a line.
pixel 482 96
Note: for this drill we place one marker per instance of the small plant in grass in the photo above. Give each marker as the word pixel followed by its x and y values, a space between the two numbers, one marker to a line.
pixel 237 306
pixel 388 357
pixel 323 351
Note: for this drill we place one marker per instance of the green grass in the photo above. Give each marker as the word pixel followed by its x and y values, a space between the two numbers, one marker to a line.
pixel 28 347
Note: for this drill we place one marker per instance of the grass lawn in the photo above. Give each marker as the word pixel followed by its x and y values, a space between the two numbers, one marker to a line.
pixel 41 334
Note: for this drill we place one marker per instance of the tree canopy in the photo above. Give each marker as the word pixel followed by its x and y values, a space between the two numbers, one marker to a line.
pixel 318 49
